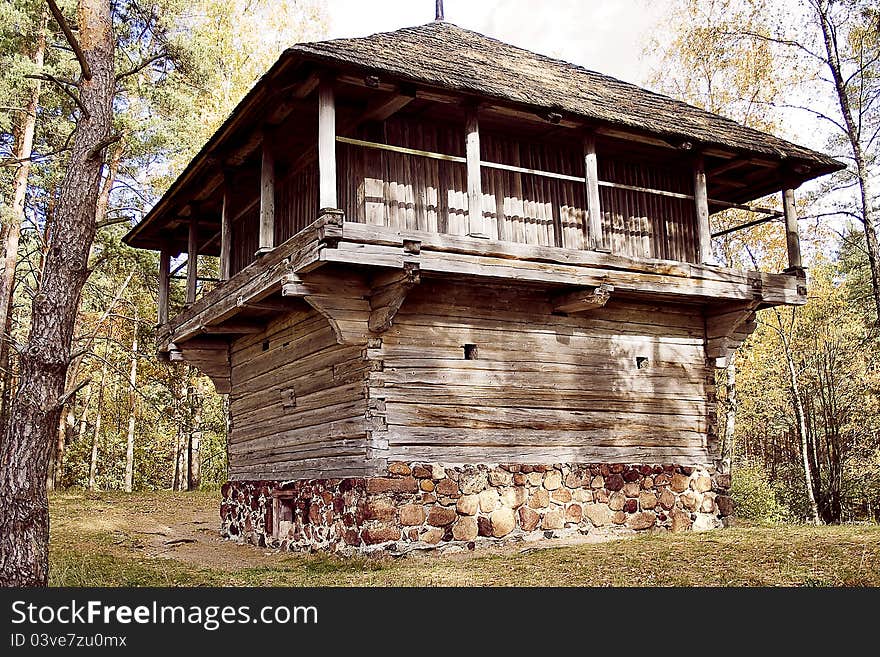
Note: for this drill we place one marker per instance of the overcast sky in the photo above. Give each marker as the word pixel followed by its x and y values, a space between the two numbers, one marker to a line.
pixel 603 35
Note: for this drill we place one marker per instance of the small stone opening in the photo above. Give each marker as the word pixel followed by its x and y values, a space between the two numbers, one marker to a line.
pixel 283 512
pixel 642 362
pixel 265 345
pixel 470 352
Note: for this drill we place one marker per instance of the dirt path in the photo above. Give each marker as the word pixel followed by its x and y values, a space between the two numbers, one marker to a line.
pixel 187 529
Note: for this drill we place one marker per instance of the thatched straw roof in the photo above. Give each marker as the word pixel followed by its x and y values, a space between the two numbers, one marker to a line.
pixel 445 55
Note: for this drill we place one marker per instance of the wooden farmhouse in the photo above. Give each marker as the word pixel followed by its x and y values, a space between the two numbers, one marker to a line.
pixel 458 291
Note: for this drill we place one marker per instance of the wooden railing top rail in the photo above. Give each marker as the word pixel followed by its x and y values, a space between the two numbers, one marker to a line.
pixel 773 214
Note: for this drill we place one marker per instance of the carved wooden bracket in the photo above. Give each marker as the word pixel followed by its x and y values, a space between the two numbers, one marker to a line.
pixel 343 302
pixel 583 300
pixel 388 294
pixel 727 327
pixel 210 357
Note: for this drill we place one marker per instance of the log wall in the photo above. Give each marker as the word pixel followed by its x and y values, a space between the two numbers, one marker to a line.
pixel 625 383
pixel 297 403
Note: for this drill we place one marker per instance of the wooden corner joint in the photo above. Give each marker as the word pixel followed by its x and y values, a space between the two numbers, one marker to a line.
pixel 582 300
pixel 388 293
pixel 329 227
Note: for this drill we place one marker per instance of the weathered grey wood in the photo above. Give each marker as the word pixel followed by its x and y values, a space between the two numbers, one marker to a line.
pixel 583 300
pixel 326 146
pixel 226 230
pixel 594 209
pixel 267 198
pixel 388 294
pixel 701 202
pixel 792 237
pixel 192 259
pixel 476 227
pixel 164 285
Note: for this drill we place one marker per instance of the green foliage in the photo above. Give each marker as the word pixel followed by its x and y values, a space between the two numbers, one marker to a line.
pixel 182 67
pixel 754 495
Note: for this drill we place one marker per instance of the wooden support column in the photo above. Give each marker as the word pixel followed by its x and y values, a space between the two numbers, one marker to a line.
pixel 594 209
pixel 164 284
pixel 476 227
pixel 701 201
pixel 267 198
pixel 792 237
pixel 326 146
pixel 226 230
pixel 192 258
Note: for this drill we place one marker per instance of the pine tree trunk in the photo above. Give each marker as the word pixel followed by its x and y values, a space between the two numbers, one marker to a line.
pixel 34 412
pixel 96 435
pixel 11 234
pixel 132 399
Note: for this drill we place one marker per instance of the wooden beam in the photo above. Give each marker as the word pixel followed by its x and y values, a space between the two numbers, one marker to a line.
pixel 164 284
pixel 589 298
pixel 728 166
pixel 594 210
pixel 231 328
pixel 267 198
pixel 474 184
pixel 701 202
pixel 388 294
pixel 269 305
pixel 192 259
pixel 386 106
pixel 326 146
pixel 792 238
pixel 291 95
pixel 226 231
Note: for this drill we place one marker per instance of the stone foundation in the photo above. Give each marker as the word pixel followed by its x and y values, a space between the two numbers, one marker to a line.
pixel 418 506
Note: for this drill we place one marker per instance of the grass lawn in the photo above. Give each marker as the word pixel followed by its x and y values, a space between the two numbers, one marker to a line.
pixel 171 539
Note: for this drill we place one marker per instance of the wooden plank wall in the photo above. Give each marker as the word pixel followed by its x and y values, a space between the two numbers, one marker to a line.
pixel 647 225
pixel 245 239
pixel 544 388
pixel 298 402
pixel 296 202
pixel 416 193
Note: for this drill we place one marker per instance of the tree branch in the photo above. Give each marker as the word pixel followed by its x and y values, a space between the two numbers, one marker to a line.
pixel 140 67
pixel 111 222
pixel 70 393
pixel 71 39
pixel 104 143
pixel 64 87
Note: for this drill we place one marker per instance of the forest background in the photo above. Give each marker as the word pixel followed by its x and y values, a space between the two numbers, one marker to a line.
pixel 799 406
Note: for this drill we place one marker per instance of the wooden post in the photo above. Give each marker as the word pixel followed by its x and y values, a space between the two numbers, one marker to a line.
pixel 701 200
pixel 792 238
pixel 326 146
pixel 267 197
pixel 192 258
pixel 226 231
pixel 164 284
pixel 474 183
pixel 594 209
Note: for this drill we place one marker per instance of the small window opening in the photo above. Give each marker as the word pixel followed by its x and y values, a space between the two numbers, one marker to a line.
pixel 284 513
pixel 265 345
pixel 470 352
pixel 641 362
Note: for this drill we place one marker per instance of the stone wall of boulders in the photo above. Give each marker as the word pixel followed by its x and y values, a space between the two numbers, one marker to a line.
pixel 419 505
